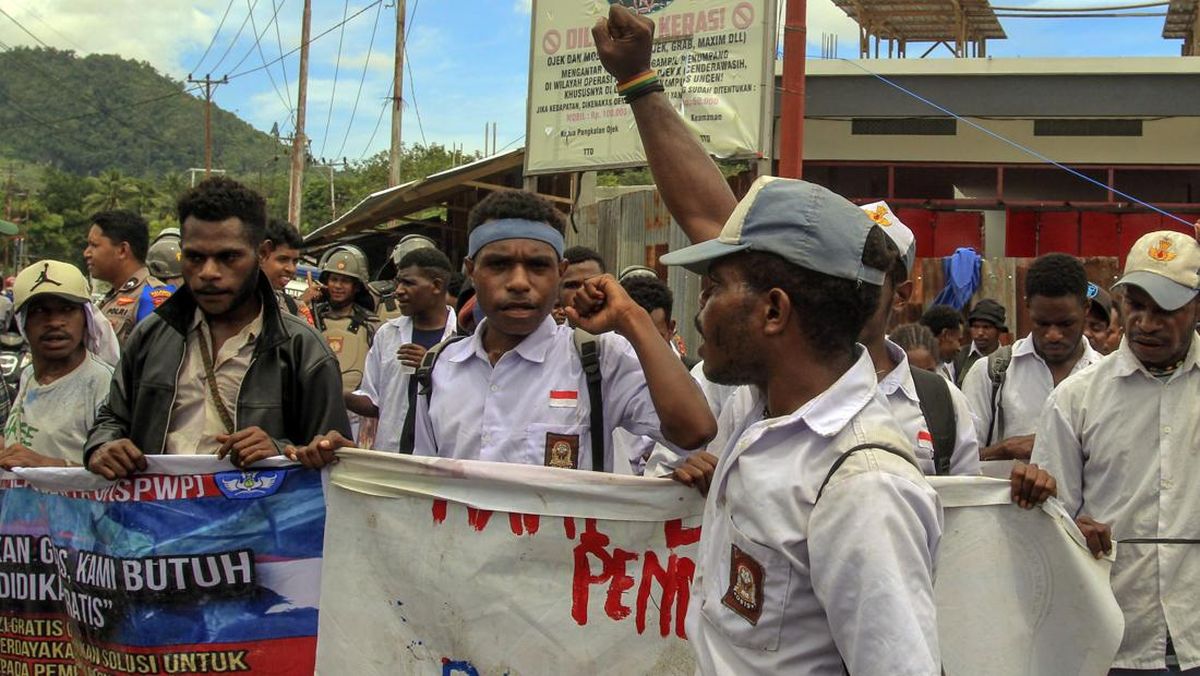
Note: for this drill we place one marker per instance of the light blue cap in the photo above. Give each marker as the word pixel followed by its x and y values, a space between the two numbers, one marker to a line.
pixel 805 224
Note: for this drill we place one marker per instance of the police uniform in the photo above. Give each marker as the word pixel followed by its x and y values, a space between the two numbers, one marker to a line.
pixel 291 306
pixel 349 333
pixel 120 305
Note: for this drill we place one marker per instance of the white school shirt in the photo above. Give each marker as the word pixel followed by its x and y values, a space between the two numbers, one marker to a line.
pixel 1027 384
pixel 385 381
pixel 850 578
pixel 902 397
pixel 662 460
pixel 532 406
pixel 1123 446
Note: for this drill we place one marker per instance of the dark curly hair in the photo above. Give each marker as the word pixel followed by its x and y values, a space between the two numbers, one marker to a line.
pixel 514 204
pixel 281 233
pixel 579 254
pixel 941 318
pixel 1056 275
pixel 651 293
pixel 219 198
pixel 833 310
pixel 121 226
pixel 433 263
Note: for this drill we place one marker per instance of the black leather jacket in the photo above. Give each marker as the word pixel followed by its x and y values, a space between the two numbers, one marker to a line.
pixel 292 390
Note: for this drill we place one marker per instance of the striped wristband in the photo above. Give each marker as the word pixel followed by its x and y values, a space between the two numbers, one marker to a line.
pixel 639 85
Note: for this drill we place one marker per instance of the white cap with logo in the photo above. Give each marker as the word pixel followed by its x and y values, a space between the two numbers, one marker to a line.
pixel 1166 265
pixel 53 278
pixel 901 236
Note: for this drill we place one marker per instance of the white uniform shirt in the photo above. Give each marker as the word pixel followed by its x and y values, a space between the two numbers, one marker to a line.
pixel 532 406
pixel 850 578
pixel 385 380
pixel 1027 384
pixel 1123 446
pixel 902 397
pixel 663 460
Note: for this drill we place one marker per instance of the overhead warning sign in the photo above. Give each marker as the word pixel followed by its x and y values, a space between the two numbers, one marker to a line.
pixel 715 59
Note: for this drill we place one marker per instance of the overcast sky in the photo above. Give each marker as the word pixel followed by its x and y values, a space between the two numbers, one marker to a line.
pixel 468 59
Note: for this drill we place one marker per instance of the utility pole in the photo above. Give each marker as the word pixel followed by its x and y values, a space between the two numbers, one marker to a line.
pixel 791 118
pixel 299 151
pixel 209 85
pixel 332 195
pixel 8 191
pixel 196 170
pixel 397 96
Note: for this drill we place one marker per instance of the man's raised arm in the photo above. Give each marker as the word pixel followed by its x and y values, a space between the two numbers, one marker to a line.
pixel 689 181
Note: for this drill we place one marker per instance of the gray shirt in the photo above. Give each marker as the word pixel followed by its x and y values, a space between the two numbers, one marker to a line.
pixel 53 420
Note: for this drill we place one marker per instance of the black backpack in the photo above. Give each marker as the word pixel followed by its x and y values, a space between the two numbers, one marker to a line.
pixel 933 391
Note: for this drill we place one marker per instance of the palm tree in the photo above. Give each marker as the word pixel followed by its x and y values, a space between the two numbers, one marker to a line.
pixel 110 190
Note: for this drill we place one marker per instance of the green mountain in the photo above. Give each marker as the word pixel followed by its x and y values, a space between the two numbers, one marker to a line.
pixel 84 115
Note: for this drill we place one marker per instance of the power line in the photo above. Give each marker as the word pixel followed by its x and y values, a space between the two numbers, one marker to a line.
pixel 509 144
pixel 337 67
pixel 256 34
pixel 412 89
pixel 236 37
pixel 311 40
pixel 27 31
pixel 93 105
pixel 213 41
pixel 1102 8
pixel 262 57
pixel 361 80
pixel 387 104
pixel 287 88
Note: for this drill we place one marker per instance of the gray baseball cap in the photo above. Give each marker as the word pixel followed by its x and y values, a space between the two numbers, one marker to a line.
pixel 803 223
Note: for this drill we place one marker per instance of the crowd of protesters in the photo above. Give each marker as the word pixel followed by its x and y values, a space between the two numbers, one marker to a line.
pixel 799 390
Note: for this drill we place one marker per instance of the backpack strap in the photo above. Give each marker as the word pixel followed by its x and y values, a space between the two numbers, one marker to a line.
pixel 837 464
pixel 997 368
pixel 424 378
pixel 292 307
pixel 933 396
pixel 589 355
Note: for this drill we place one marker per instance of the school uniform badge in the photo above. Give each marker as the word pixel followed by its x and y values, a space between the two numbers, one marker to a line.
pixel 335 344
pixel 562 450
pixel 745 593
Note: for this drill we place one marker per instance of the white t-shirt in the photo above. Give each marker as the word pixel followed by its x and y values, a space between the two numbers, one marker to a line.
pixel 54 419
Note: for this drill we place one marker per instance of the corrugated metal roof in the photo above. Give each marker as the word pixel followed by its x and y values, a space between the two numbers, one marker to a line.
pixel 924 20
pixel 400 201
pixel 1181 20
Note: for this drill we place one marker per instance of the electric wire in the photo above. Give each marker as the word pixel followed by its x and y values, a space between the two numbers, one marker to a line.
pixel 361 80
pixel 311 40
pixel 287 87
pixel 337 67
pixel 213 41
pixel 262 57
pixel 234 41
pixel 1018 146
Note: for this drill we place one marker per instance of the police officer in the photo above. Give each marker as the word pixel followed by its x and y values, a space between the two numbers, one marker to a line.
pixel 165 258
pixel 116 252
pixel 165 261
pixel 345 316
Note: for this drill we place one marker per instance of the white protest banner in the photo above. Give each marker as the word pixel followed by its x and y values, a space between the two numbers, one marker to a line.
pixel 715 59
pixel 477 568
